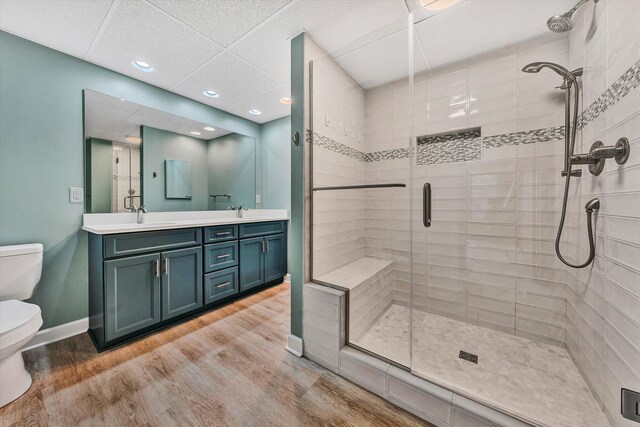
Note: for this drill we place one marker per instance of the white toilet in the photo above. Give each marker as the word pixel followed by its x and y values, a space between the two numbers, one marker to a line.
pixel 20 269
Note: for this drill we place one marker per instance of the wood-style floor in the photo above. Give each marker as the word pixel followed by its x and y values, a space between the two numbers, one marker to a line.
pixel 226 367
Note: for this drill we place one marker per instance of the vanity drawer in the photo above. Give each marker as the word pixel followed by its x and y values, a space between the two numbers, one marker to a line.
pixel 220 233
pixel 220 284
pixel 220 255
pixel 261 228
pixel 150 241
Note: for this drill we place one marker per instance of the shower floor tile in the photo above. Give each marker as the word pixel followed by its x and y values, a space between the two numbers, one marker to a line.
pixel 533 381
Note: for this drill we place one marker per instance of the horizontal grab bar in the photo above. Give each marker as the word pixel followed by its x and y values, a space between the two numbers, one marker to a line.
pixel 354 187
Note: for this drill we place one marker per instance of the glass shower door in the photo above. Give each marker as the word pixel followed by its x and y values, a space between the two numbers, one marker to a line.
pixel 361 187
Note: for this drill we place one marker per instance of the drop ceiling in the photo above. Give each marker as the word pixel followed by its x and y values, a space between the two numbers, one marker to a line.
pixel 115 119
pixel 241 48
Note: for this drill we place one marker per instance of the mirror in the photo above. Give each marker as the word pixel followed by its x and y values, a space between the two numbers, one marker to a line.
pixel 136 155
pixel 177 179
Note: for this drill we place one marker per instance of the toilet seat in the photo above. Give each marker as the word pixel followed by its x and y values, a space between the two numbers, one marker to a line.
pixel 18 321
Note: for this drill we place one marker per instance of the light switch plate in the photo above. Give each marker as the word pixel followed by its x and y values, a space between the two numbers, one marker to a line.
pixel 76 195
pixel 258 198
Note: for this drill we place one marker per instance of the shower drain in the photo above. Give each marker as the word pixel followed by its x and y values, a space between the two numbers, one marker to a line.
pixel 469 357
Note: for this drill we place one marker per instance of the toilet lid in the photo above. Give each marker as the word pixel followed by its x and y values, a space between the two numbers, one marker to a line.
pixel 14 314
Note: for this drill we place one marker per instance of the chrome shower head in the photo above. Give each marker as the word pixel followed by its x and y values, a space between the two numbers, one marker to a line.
pixel 560 23
pixel 563 23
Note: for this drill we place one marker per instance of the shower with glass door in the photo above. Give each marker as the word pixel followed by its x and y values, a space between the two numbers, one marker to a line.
pixel 450 201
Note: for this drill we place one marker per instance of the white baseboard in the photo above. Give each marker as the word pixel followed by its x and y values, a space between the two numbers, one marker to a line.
pixel 287 278
pixel 57 333
pixel 294 345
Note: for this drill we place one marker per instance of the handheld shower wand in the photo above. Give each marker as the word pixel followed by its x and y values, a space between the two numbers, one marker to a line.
pixel 571 127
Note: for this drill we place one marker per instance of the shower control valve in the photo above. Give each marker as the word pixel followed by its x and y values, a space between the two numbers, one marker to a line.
pixel 600 152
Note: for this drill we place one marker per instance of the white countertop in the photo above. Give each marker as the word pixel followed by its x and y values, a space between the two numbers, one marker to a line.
pixel 115 223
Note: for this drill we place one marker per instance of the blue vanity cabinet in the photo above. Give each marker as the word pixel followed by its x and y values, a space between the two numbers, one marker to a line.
pixel 132 294
pixel 251 263
pixel 142 281
pixel 181 281
pixel 263 253
pixel 275 257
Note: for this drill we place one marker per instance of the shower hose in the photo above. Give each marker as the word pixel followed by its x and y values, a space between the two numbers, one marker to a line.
pixel 590 206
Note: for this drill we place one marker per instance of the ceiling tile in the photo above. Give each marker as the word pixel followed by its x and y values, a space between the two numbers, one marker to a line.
pixel 348 20
pixel 367 68
pixel 267 102
pixel 233 78
pixel 66 25
pixel 223 21
pixel 204 134
pixel 475 27
pixel 332 23
pixel 137 30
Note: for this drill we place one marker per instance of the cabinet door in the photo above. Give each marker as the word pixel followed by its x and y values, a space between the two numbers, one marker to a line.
pixel 275 257
pixel 251 263
pixel 181 281
pixel 132 294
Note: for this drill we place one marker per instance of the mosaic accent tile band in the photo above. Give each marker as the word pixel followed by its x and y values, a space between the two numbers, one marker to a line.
pixel 619 89
pixel 467 145
pixel 525 137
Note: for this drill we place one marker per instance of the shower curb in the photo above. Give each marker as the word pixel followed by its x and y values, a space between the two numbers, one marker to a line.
pixel 324 344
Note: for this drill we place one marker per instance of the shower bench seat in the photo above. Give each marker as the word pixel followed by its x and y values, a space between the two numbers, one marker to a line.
pixel 369 282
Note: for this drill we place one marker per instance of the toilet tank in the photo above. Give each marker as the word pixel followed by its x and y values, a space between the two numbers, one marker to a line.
pixel 20 269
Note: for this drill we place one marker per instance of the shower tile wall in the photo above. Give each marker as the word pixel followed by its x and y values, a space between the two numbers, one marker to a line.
pixel 603 302
pixel 488 257
pixel 338 216
pixel 125 175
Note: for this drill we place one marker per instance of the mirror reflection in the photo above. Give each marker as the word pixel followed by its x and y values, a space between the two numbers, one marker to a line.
pixel 136 155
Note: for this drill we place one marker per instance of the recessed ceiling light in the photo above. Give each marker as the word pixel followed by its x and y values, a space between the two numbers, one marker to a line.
pixel 142 66
pixel 211 93
pixel 134 139
pixel 437 4
pixel 255 112
pixel 193 132
pixel 209 128
pixel 286 101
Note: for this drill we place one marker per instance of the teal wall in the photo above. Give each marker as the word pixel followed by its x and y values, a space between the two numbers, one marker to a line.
pixel 41 156
pixel 98 193
pixel 232 169
pixel 296 224
pixel 276 157
pixel 159 145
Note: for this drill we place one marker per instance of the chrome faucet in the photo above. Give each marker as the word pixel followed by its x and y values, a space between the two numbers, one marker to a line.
pixel 141 211
pixel 240 209
pixel 231 208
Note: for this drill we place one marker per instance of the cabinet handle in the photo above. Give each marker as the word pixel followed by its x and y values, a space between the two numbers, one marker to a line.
pixel 223 256
pixel 224 233
pixel 166 266
pixel 267 242
pixel 262 244
pixel 222 285
pixel 157 267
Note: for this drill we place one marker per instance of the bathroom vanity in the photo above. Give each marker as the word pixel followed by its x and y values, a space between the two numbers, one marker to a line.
pixel 143 277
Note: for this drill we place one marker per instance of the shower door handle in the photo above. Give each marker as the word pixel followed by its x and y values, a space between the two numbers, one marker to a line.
pixel 426 205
